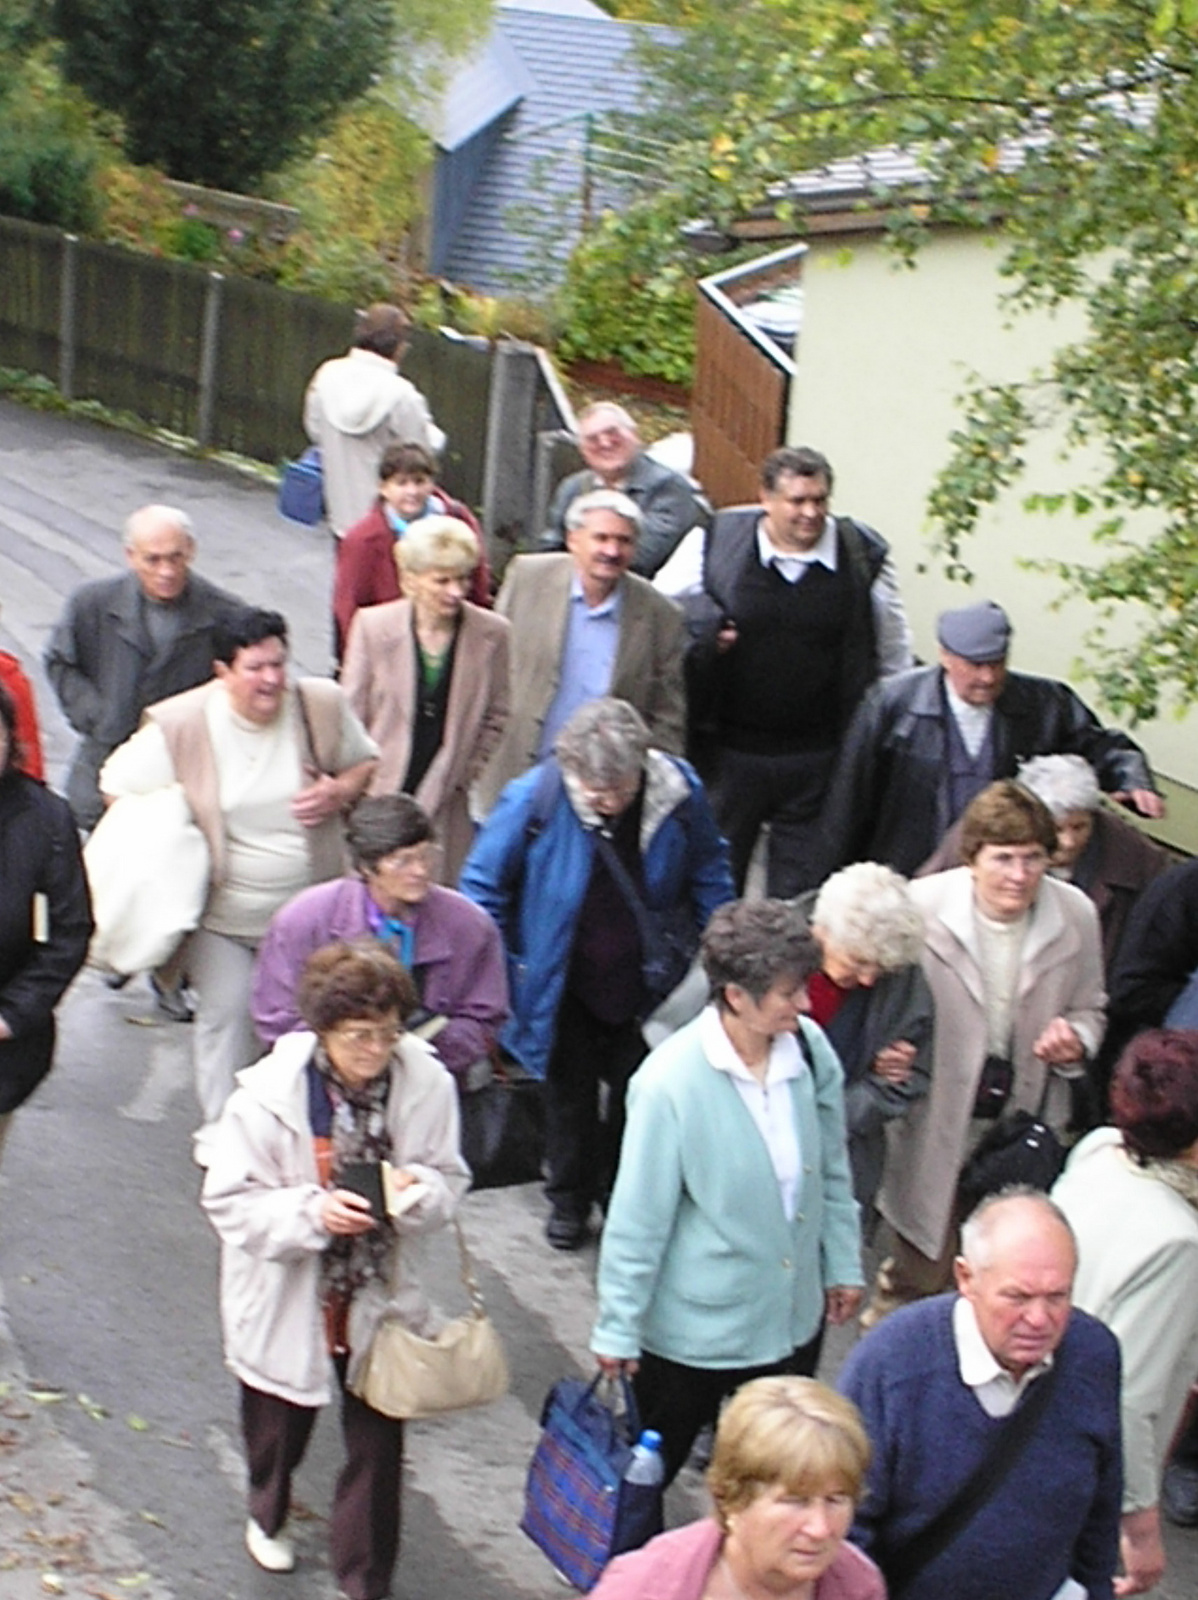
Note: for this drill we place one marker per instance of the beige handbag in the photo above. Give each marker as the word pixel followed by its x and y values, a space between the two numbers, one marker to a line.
pixel 406 1376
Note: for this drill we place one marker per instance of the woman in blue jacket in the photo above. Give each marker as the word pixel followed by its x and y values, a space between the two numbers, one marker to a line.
pixel 594 865
pixel 732 1231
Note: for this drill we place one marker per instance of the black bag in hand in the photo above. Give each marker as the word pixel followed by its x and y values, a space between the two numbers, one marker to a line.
pixel 503 1128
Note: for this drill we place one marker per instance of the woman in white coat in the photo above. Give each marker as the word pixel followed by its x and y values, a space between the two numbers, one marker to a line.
pixel 308 1269
pixel 1014 961
pixel 1131 1194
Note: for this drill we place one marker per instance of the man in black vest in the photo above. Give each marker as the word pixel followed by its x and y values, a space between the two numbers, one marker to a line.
pixel 799 614
pixel 923 744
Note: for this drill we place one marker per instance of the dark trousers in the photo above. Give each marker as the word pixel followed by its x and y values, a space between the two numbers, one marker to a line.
pixel 365 1519
pixel 785 791
pixel 678 1401
pixel 581 1149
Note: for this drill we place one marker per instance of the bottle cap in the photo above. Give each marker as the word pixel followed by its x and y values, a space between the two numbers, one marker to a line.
pixel 651 1439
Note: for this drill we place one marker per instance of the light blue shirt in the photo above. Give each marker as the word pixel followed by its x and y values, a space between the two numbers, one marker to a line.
pixel 588 660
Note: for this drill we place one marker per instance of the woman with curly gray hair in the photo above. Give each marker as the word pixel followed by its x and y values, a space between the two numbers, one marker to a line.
pixel 872 1000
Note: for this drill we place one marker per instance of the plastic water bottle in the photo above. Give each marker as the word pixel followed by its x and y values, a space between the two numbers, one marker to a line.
pixel 646 1466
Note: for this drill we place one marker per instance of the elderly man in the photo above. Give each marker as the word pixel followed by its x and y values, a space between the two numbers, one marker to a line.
pixel 994 1416
pixel 793 614
pixel 584 626
pixel 669 504
pixel 592 865
pixel 267 769
pixel 922 745
pixel 123 643
pixel 358 404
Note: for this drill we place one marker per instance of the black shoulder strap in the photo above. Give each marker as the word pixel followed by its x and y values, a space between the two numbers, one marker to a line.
pixel 904 1566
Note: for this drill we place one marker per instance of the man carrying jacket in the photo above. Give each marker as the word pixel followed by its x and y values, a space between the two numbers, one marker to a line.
pixel 799 612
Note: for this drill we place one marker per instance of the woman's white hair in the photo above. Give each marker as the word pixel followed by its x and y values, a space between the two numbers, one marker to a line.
pixel 1064 783
pixel 604 742
pixel 865 912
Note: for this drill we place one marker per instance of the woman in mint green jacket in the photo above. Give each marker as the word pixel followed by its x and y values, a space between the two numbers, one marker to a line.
pixel 732 1232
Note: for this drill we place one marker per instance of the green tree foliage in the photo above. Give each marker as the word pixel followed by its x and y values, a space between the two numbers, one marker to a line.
pixel 1074 123
pixel 223 92
pixel 49 150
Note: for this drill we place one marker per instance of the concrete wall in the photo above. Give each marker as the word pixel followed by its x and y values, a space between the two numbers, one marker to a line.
pixel 883 352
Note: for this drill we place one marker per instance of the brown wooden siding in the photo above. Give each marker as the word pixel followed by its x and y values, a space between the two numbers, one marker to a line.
pixel 738 407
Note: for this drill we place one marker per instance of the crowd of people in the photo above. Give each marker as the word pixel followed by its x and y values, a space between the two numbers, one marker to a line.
pixel 503 835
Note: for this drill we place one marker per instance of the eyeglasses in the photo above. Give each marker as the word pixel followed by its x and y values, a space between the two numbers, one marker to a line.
pixel 361 1036
pixel 417 857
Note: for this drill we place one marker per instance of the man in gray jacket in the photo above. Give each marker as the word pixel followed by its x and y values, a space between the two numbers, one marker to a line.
pixel 124 643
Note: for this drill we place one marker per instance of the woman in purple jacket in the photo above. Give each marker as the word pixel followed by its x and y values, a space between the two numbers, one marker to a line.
pixel 451 947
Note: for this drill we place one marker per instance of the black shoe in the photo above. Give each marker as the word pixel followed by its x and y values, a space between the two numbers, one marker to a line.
pixel 116 980
pixel 565 1231
pixel 173 1003
pixel 1179 1494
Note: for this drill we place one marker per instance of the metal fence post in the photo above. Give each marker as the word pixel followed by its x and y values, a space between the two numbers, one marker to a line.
pixel 209 345
pixel 66 317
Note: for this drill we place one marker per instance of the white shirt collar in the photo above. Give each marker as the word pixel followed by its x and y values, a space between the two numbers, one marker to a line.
pixel 823 550
pixel 786 1059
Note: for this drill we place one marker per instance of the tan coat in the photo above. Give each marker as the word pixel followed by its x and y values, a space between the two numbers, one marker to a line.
pixel 647 673
pixel 1061 976
pixel 379 677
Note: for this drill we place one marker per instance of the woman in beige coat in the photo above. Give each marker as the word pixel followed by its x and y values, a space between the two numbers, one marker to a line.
pixel 309 1266
pixel 1014 961
pixel 428 676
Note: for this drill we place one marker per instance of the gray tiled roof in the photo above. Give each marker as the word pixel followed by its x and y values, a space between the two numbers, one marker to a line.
pixel 525 212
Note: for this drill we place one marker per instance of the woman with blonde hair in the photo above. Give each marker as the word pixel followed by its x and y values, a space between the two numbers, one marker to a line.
pixel 428 675
pixel 786 1474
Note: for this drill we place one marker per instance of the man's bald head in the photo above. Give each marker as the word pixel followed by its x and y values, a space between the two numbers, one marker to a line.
pixel 1016 1268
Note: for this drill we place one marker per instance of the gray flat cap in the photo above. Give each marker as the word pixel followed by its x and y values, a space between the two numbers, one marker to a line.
pixel 978 633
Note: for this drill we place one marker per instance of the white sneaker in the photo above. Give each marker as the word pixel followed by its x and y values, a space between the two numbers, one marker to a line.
pixel 272 1555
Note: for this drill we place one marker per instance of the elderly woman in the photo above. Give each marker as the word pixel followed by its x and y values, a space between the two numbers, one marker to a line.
pixel 368 572
pixel 592 865
pixel 872 1000
pixel 1014 960
pixel 428 675
pixel 308 1269
pixel 1096 850
pixel 1131 1194
pixel 451 948
pixel 732 1230
pixel 45 919
pixel 786 1475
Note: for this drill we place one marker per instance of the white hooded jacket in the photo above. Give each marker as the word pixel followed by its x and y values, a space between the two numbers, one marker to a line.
pixel 357 405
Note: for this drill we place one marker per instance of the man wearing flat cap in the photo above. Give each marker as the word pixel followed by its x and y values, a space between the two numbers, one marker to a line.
pixel 924 743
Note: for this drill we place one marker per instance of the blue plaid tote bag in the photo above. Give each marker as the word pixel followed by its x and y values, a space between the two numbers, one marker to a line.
pixel 577 1508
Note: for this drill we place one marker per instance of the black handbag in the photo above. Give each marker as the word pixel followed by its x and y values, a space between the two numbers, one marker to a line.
pixel 1019 1149
pixel 503 1128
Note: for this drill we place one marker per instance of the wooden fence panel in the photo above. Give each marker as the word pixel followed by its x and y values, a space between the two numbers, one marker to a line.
pixel 269 343
pixel 137 335
pixel 30 296
pixel 738 413
pixel 454 376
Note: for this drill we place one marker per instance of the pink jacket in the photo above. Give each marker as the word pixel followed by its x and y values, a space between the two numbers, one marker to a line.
pixel 677 1565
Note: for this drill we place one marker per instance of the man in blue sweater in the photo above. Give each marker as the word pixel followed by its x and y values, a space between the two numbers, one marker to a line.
pixel 936 1384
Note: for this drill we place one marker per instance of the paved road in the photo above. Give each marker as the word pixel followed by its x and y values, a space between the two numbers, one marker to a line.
pixel 119 1467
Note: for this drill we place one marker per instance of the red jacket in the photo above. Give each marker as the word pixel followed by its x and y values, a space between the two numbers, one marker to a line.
pixel 14 680
pixel 366 570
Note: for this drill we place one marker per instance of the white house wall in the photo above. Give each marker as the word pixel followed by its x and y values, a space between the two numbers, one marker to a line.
pixel 883 352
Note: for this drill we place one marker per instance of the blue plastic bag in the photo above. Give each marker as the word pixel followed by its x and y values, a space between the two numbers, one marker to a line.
pixel 301 489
